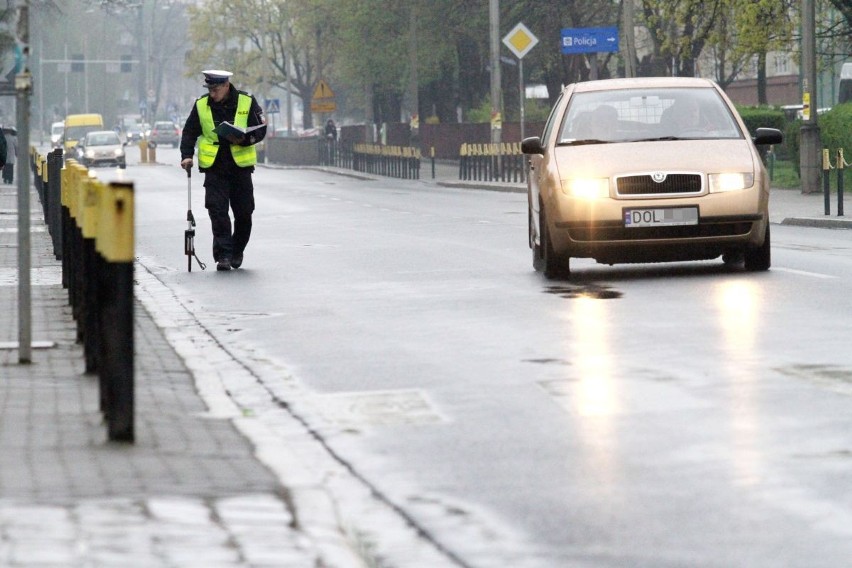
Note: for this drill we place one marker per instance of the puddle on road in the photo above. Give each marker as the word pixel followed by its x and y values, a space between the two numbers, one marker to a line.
pixel 834 377
pixel 547 361
pixel 592 291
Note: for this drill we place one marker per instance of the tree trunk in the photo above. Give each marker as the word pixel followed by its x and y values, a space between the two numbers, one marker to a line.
pixel 761 79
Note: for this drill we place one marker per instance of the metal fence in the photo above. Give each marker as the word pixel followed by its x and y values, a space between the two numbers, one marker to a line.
pixel 391 161
pixel 492 162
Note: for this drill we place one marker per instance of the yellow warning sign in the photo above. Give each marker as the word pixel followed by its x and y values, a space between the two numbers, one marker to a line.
pixel 323 91
pixel 327 105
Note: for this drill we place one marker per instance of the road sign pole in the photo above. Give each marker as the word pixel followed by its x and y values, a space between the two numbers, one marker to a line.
pixel 521 94
pixel 520 41
pixel 23 86
pixel 494 44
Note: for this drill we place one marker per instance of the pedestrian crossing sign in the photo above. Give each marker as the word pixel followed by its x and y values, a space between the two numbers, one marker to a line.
pixel 272 106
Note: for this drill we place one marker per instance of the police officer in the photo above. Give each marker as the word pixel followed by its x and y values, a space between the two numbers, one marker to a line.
pixel 227 162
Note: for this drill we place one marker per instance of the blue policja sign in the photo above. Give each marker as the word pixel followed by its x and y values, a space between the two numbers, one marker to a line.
pixel 589 40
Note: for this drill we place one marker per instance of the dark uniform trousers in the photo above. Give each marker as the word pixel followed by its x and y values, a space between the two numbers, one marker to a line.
pixel 221 191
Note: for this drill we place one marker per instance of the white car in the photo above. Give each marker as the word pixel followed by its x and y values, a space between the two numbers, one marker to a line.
pixel 101 148
pixel 57 129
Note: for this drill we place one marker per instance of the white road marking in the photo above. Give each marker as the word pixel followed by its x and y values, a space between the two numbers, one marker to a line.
pixel 805 273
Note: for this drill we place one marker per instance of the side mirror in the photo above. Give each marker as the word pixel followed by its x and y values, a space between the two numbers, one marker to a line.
pixel 532 145
pixel 767 136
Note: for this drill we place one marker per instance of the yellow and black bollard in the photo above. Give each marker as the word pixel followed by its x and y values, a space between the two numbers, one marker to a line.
pixel 115 245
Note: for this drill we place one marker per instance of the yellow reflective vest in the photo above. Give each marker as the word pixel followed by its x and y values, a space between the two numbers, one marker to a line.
pixel 208 144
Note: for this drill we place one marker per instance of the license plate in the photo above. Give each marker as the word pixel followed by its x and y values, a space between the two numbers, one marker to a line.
pixel 660 217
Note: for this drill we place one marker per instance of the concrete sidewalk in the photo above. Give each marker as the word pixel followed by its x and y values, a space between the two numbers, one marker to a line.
pixel 191 490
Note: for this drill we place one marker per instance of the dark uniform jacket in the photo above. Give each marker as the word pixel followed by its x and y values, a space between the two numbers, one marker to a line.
pixel 224 111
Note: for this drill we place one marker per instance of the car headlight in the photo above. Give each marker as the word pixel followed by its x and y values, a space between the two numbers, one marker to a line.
pixel 730 182
pixel 90 154
pixel 586 188
pixel 119 152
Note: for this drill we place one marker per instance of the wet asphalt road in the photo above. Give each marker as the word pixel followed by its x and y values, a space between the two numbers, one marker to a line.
pixel 650 415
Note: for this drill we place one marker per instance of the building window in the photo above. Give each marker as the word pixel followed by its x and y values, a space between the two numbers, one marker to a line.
pixel 782 64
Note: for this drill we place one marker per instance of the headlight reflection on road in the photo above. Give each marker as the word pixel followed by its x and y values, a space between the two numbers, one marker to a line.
pixel 592 358
pixel 738 308
pixel 594 393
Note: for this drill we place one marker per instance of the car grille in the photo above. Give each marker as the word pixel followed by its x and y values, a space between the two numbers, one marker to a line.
pixel 646 185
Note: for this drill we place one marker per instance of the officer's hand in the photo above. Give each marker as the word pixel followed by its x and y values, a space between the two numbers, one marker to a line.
pixel 186 163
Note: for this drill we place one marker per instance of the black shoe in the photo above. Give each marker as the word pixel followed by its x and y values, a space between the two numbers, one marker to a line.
pixel 223 264
pixel 237 261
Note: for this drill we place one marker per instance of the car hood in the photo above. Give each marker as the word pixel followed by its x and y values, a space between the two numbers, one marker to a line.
pixel 608 160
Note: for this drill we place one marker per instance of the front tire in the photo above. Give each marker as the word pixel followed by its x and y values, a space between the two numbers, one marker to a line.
pixel 760 258
pixel 537 253
pixel 554 266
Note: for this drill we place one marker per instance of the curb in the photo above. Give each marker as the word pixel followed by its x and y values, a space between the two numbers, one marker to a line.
pixel 492 186
pixel 818 222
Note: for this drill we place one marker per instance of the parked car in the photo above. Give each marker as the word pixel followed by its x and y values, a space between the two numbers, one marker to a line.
pixel 647 170
pixel 165 132
pixel 101 148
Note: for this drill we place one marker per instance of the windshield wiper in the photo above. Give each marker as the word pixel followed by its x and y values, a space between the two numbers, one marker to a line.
pixel 661 139
pixel 584 142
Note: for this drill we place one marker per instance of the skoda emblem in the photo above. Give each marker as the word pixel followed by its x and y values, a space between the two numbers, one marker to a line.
pixel 658 177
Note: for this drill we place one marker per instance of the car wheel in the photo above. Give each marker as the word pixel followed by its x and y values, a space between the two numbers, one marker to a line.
pixel 759 258
pixel 537 256
pixel 554 266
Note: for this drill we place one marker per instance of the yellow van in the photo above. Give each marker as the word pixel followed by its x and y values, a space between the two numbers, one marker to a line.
pixel 77 126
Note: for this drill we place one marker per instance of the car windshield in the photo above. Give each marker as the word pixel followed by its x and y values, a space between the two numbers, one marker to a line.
pixel 79 132
pixel 57 129
pixel 632 115
pixel 102 139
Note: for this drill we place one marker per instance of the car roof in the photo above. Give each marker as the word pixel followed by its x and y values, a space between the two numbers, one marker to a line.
pixel 641 83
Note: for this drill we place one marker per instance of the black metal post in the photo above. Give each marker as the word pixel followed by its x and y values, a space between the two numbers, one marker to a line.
pixel 840 165
pixel 826 190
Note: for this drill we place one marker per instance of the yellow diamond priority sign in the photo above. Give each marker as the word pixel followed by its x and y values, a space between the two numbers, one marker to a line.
pixel 520 40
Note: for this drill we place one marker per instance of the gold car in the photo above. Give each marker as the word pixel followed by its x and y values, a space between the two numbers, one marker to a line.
pixel 647 170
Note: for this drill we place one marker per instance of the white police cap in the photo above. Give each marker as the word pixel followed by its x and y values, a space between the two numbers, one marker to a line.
pixel 215 77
